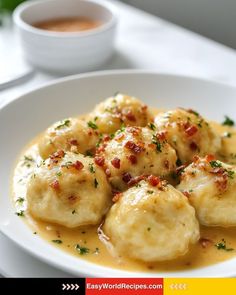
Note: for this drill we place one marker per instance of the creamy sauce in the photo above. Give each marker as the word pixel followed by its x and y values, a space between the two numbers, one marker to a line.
pixel 87 237
pixel 74 24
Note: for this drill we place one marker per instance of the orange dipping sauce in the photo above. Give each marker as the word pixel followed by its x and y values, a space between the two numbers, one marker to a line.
pixel 70 24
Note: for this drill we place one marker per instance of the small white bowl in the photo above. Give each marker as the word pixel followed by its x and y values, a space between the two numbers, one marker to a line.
pixel 69 52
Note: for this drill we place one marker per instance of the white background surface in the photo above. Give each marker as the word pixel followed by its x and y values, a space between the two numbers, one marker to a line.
pixel 143 41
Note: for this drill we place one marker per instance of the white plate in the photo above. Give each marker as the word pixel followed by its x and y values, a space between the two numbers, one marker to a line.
pixel 28 115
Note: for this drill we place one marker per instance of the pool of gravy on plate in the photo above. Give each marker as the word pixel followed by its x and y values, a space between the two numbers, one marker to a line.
pixel 83 242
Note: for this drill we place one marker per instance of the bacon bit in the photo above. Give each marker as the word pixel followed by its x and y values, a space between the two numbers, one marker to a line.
pixel 221 182
pixel 134 147
pixel 144 107
pixel 210 158
pixel 116 197
pixel 152 145
pixel 186 193
pixel 77 165
pixel 153 180
pixel 193 146
pixel 130 116
pixel 136 180
pixel 101 149
pixel 73 142
pixel 190 131
pixel 108 172
pixel 205 243
pixel 181 168
pixel 58 154
pixel 167 164
pixel 72 198
pixel 132 159
pixel 219 171
pixel 119 137
pixel 106 138
pixel 126 177
pixel 99 161
pixel 116 163
pixel 196 159
pixel 134 130
pixel 55 185
pixel 161 135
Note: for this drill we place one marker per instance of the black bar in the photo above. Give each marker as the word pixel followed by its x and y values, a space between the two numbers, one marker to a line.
pixel 43 285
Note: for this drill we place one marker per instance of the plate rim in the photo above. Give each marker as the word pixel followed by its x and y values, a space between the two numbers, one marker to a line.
pixel 88 272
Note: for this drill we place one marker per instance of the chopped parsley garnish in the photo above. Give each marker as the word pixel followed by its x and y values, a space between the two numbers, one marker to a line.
pixel 215 164
pixel 195 113
pixel 230 173
pixel 150 192
pixel 35 233
pixel 95 119
pixel 89 154
pixel 67 164
pixel 57 241
pixel 20 200
pixel 95 183
pixel 138 185
pixel 59 173
pixel 122 128
pixel 157 143
pixel 91 168
pixel 62 124
pixel 73 212
pixel 112 135
pixel 82 250
pixel 227 134
pixel 152 126
pixel 21 213
pixel 28 158
pixel 228 121
pixel 222 246
pixel 149 228
pixel 99 140
pixel 92 125
pixel 116 93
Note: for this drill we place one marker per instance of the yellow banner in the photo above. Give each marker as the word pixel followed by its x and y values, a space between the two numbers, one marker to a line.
pixel 200 286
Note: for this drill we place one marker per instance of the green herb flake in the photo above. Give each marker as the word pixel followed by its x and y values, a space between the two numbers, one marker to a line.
pixel 35 233
pixel 150 192
pixel 20 213
pixel 73 212
pixel 215 164
pixel 222 246
pixel 149 228
pixel 81 250
pixel 57 241
pixel 230 173
pixel 20 200
pixel 152 126
pixel 59 173
pixel 227 134
pixel 92 125
pixel 228 122
pixel 95 183
pixel 97 251
pixel 62 124
pixel 157 143
pixel 89 154
pixel 91 168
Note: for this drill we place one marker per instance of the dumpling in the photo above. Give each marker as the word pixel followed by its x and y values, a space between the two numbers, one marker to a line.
pixel 136 151
pixel 188 133
pixel 210 186
pixel 70 134
pixel 110 114
pixel 69 189
pixel 151 222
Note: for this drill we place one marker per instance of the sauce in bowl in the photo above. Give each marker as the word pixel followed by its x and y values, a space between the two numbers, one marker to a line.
pixel 70 24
